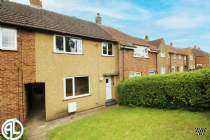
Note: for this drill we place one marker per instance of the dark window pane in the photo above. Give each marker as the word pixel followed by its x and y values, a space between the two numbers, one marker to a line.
pixel 104 49
pixel 109 49
pixel 69 89
pixel 81 85
pixel 59 43
pixel 71 45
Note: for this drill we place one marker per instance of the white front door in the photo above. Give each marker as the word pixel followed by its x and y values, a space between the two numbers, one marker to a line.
pixel 108 88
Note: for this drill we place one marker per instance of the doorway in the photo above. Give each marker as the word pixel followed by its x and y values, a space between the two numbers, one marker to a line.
pixel 108 88
pixel 35 93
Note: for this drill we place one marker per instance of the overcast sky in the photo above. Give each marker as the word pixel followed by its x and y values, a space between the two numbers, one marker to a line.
pixel 184 22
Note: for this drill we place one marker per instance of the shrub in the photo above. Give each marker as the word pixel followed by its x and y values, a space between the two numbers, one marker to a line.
pixel 180 90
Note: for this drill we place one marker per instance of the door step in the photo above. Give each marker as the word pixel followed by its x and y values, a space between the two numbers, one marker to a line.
pixel 110 102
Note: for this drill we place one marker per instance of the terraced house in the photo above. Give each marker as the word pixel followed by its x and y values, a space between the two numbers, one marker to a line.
pixel 56 65
pixel 137 56
pixel 53 63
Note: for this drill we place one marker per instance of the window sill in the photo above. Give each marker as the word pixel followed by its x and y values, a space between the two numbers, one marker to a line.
pixel 13 50
pixel 141 57
pixel 107 55
pixel 68 53
pixel 75 97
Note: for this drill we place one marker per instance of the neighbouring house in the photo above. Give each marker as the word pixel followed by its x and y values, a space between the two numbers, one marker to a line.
pixel 137 57
pixel 197 58
pixel 170 59
pixel 201 58
pixel 52 63
pixel 163 58
pixel 178 59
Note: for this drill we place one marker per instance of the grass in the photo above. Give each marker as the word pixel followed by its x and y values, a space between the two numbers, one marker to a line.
pixel 125 123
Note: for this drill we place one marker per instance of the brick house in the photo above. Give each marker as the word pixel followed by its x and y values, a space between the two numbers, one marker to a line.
pixel 53 64
pixel 137 57
pixel 170 59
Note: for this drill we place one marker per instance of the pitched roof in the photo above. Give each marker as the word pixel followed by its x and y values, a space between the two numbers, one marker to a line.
pixel 26 16
pixel 156 42
pixel 176 50
pixel 199 52
pixel 125 39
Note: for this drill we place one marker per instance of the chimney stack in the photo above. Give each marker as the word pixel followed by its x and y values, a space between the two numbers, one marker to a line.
pixel 171 44
pixel 195 46
pixel 146 38
pixel 98 18
pixel 36 3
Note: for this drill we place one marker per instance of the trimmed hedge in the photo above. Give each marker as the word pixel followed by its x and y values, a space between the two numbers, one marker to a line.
pixel 180 90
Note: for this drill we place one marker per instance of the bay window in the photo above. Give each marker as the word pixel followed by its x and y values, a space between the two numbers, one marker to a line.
pixel 76 87
pixel 8 39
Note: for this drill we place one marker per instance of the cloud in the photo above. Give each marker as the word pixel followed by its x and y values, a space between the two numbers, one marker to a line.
pixel 182 21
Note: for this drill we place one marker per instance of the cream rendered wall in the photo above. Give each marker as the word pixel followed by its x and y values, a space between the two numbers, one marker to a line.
pixel 52 68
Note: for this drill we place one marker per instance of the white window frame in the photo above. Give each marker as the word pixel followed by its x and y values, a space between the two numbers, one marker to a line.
pixel 162 69
pixel 180 57
pixel 102 53
pixel 152 72
pixel 174 56
pixel 185 58
pixel 145 55
pixel 191 58
pixel 135 74
pixel 64 45
pixel 73 88
pixel 162 53
pixel 173 69
pixel 1 41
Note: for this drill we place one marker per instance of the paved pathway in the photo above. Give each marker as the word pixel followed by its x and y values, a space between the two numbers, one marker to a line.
pixel 37 128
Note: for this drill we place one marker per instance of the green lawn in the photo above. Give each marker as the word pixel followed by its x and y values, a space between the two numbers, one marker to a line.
pixel 124 123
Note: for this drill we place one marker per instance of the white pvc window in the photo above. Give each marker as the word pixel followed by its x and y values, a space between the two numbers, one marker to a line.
pixel 180 57
pixel 174 56
pixel 8 39
pixel 181 68
pixel 134 74
pixel 162 53
pixel 185 58
pixel 107 49
pixel 191 57
pixel 141 51
pixel 67 44
pixel 162 69
pixel 173 69
pixel 152 72
pixel 75 87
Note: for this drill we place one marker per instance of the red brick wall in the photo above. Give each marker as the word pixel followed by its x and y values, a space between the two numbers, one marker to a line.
pixel 16 69
pixel 130 63
pixel 204 60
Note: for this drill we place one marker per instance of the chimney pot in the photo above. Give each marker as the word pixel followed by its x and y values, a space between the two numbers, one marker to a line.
pixel 195 46
pixel 98 18
pixel 36 3
pixel 146 38
pixel 171 44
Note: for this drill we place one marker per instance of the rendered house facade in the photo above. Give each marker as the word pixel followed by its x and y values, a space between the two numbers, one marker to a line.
pixel 53 64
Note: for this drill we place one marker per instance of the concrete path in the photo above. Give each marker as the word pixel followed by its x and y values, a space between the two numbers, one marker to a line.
pixel 37 128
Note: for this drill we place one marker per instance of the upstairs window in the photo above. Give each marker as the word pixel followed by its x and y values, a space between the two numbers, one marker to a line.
pixel 180 57
pixel 162 53
pixel 141 51
pixel 174 56
pixel 107 49
pixel 66 44
pixel 191 57
pixel 8 39
pixel 185 58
